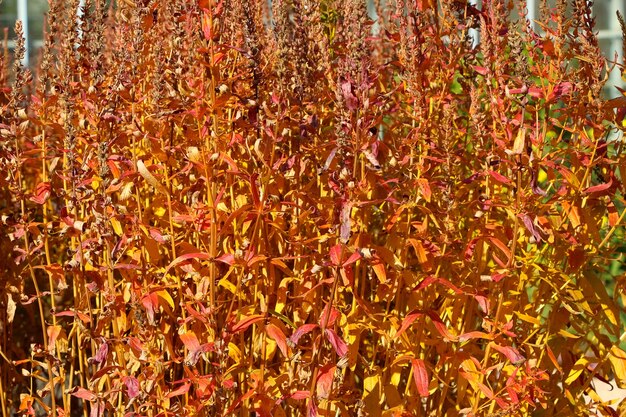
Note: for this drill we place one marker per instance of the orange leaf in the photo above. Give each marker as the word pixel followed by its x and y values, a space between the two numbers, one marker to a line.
pixel 246 322
pixel 325 380
pixel 420 375
pixel 281 340
pixel 425 188
pixel 555 362
pixel 53 334
pixel 83 394
pixel 183 389
pixel 190 340
pixel 511 353
pixel 408 320
pixel 42 193
pixel 420 252
pixel 186 257
pixel 498 243
pixel 379 270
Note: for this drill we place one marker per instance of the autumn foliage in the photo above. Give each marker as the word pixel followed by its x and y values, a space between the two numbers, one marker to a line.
pixel 235 208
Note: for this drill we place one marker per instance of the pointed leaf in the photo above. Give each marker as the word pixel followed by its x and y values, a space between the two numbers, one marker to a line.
pixel 325 380
pixel 420 375
pixel 408 320
pixel 275 333
pixel 338 344
pixel 511 353
pixel 301 331
pixel 246 322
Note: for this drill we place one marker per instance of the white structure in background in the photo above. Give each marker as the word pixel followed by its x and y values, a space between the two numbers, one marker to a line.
pixel 610 34
pixel 474 34
pixel 22 14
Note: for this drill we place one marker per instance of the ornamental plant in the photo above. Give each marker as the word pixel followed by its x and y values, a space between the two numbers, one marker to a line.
pixel 309 207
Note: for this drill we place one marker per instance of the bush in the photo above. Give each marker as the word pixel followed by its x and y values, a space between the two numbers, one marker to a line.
pixel 222 208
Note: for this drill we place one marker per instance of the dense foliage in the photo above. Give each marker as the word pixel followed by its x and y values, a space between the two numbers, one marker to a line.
pixel 215 208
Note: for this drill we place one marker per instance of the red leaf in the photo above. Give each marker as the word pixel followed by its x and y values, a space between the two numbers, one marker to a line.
pixel 281 340
pixel 204 4
pixel 206 26
pixel 336 254
pixel 103 351
pixel 528 222
pixel 328 319
pixel 254 188
pixel 441 327
pixel 151 303
pixel 205 386
pixel 511 353
pixel 132 385
pixel 481 70
pixel 227 258
pixel 420 375
pixel 301 331
pixel 349 98
pixel 325 380
pixel 156 235
pixel 408 320
pixel 486 390
pixel 498 243
pixel 182 390
pixel 82 316
pixel 352 259
pixel 560 90
pixel 300 395
pixel 42 193
pixel 474 335
pixel 599 188
pixel 432 280
pixel 53 334
pixel 83 394
pixel 443 330
pixel 311 409
pixel 499 177
pixel 57 273
pixel 340 346
pixel 246 322
pixel 186 257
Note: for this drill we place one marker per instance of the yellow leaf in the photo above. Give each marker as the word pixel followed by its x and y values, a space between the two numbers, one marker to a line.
pixel 568 335
pixel 618 360
pixel 370 383
pixel 117 227
pixel 166 297
pixel 224 282
pixel 528 319
pixel 234 353
pixel 578 369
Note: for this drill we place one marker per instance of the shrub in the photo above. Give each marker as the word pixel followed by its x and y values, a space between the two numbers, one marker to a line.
pixel 221 208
